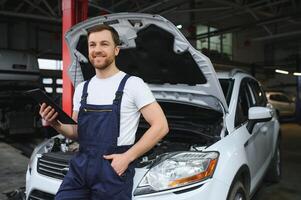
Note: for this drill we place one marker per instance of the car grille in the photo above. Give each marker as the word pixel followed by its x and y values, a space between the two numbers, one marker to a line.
pixel 53 165
pixel 39 195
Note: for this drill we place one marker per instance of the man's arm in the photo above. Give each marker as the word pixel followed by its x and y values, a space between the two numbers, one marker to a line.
pixel 154 115
pixel 49 115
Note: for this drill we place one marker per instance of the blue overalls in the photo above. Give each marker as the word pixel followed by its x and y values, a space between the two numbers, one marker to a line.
pixel 90 176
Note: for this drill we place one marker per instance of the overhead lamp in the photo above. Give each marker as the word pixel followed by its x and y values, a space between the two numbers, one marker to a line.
pixel 281 71
pixel 297 73
pixel 179 26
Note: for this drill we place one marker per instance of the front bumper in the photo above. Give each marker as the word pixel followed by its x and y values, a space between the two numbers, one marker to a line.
pixel 42 185
pixel 46 187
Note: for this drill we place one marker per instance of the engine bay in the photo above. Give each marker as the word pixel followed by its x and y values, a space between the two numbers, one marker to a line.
pixel 191 128
pixel 176 140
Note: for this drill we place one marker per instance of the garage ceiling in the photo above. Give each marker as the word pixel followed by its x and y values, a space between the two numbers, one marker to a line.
pixel 273 19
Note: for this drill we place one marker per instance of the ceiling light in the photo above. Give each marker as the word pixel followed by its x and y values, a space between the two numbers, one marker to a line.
pixel 297 73
pixel 179 26
pixel 281 71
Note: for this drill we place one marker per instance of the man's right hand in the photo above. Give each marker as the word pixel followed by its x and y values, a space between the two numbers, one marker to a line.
pixel 48 114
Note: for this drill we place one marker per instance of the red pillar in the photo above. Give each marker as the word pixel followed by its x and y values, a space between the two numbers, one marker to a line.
pixel 73 11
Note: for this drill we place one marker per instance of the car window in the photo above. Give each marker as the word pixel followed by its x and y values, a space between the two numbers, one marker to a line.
pixel 279 97
pixel 227 86
pixel 259 94
pixel 243 104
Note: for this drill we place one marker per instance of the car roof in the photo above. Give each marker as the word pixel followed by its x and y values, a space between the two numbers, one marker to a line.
pixel 233 74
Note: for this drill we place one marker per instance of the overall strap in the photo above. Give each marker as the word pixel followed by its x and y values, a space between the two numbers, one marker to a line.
pixel 119 92
pixel 85 93
pixel 117 102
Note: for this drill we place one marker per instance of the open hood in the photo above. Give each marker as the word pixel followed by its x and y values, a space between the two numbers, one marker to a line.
pixel 151 48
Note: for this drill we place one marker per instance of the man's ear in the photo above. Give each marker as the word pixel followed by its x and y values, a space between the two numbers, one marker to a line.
pixel 117 50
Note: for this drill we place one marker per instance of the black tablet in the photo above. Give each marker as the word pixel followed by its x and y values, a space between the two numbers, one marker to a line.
pixel 41 97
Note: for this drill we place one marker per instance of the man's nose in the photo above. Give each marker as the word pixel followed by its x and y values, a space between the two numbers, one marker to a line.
pixel 97 51
pixel 98 48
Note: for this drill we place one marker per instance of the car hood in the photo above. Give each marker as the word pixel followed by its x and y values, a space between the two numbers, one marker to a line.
pixel 153 49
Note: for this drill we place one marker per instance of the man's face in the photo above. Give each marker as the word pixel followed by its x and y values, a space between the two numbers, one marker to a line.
pixel 102 49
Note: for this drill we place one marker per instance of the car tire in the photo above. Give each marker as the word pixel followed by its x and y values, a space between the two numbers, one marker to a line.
pixel 238 192
pixel 274 171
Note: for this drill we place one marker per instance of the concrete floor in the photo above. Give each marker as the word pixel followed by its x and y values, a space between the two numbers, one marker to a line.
pixel 13 167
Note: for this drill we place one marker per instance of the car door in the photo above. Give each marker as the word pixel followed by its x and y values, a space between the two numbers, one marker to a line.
pixel 266 129
pixel 254 145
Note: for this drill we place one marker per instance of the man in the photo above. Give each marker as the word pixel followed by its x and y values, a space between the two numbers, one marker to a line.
pixel 107 109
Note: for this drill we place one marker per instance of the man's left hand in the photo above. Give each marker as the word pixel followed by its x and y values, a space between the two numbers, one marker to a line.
pixel 120 162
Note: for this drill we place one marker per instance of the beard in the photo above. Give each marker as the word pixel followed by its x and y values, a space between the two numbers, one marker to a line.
pixel 104 65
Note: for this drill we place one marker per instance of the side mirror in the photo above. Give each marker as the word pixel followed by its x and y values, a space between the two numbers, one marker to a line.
pixel 258 114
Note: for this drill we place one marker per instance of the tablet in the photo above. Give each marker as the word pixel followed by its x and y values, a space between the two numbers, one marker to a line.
pixel 41 97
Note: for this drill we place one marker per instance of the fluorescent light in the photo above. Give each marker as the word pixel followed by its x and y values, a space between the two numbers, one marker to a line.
pixel 179 26
pixel 281 71
pixel 297 73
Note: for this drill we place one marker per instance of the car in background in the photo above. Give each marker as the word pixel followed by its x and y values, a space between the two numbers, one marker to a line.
pixel 224 138
pixel 19 72
pixel 283 103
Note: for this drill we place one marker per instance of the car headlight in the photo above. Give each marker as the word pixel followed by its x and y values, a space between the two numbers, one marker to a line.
pixel 44 147
pixel 177 170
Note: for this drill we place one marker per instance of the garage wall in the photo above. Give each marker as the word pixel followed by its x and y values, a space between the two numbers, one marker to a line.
pixel 245 49
pixel 286 55
pixel 4 35
pixel 44 40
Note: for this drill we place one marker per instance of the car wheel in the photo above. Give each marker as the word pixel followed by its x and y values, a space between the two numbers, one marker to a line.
pixel 274 171
pixel 238 192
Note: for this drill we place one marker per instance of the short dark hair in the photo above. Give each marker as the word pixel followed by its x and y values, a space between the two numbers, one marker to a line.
pixel 102 27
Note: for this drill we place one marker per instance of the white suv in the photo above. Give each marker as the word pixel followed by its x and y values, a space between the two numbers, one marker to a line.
pixel 224 137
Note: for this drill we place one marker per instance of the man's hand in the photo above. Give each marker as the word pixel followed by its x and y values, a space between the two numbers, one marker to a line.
pixel 48 114
pixel 120 162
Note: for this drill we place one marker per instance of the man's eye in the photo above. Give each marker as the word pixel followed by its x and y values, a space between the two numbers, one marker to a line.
pixel 91 45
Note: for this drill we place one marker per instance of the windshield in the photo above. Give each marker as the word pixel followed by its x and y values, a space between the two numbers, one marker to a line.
pixel 227 86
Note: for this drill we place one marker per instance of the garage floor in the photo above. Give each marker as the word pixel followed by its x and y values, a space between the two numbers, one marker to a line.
pixel 14 163
pixel 12 169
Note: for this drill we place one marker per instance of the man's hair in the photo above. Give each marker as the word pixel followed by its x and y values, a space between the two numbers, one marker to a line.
pixel 102 27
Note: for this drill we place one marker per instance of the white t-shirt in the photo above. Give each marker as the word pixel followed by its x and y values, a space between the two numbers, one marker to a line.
pixel 136 94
